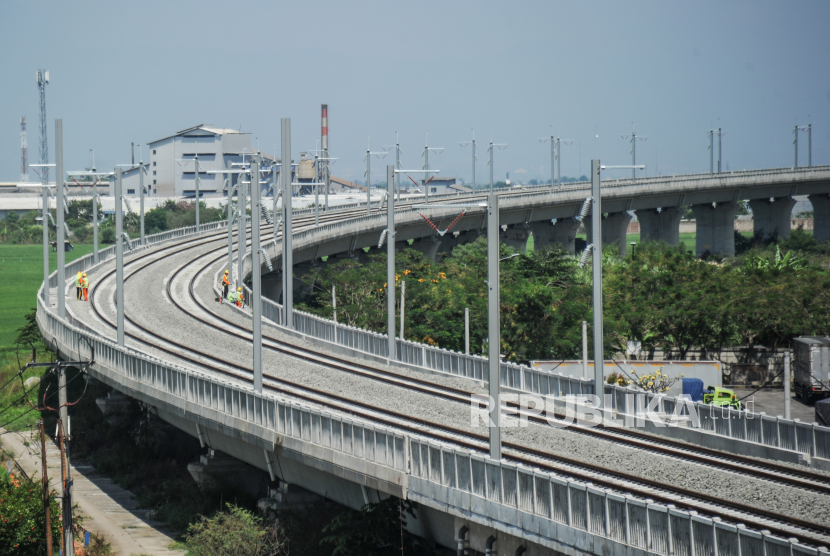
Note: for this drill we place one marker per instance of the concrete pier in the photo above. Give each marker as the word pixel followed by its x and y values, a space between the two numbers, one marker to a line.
pixel 821 216
pixel 516 236
pixel 562 232
pixel 772 215
pixel 660 225
pixel 715 229
pixel 614 230
pixel 429 246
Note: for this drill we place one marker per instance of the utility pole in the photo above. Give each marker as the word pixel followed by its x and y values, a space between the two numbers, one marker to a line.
pixel 634 138
pixel 398 153
pixel 119 258
pixel 141 192
pixel 473 142
pixel 787 397
pixel 59 213
pixel 596 224
pixel 45 219
pixel 427 148
pixel 555 151
pixel 368 159
pixel 334 303
pixel 287 249
pixel 256 271
pixel 711 152
pixel 95 221
pixel 324 146
pixel 467 330
pixel 390 262
pixel 501 146
pixel 63 431
pixel 196 185
pixel 493 319
pixel 46 506
pixel 585 349
pixel 241 227
pixel 403 305
pixel 795 144
pixel 42 81
pixel 720 151
pixel 229 267
pixel 809 145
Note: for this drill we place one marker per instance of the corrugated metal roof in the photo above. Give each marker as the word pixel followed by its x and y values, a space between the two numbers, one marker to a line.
pixel 206 127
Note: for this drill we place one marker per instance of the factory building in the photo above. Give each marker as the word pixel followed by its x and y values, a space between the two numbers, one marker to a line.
pixel 170 170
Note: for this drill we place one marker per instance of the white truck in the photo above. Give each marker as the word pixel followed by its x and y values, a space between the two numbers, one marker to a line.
pixel 811 367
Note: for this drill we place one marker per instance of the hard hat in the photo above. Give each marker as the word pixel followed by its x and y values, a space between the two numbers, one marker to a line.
pixel 239 289
pixel 226 272
pixel 84 274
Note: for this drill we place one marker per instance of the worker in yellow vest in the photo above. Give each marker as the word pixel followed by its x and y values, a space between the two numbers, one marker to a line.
pixel 85 286
pixel 78 286
pixel 225 284
pixel 239 297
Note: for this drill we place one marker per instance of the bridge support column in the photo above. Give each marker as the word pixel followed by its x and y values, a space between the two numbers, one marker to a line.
pixel 614 230
pixel 562 232
pixel 516 237
pixel 663 225
pixel 428 246
pixel 821 216
pixel 771 215
pixel 715 229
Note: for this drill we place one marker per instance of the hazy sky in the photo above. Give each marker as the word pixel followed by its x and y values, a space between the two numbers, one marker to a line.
pixel 139 71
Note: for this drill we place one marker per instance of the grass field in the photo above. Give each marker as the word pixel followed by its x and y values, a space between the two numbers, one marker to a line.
pixel 22 269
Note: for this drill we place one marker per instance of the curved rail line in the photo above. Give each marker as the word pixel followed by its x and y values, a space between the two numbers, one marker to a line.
pixel 780 524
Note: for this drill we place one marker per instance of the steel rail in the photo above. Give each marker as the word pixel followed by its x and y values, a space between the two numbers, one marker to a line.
pixel 342 404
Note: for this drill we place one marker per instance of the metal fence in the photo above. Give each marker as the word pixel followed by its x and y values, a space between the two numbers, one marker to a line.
pixel 809 439
pixel 547 505
pixel 561 509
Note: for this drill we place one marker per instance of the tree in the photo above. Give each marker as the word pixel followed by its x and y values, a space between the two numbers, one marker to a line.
pixel 378 529
pixel 22 516
pixel 235 532
pixel 29 334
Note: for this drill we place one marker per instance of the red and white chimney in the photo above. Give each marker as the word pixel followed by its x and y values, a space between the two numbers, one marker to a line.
pixel 324 143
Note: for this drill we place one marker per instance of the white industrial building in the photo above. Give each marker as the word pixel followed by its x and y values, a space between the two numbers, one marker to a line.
pixel 170 171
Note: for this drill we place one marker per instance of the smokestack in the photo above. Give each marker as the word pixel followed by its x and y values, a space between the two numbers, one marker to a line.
pixel 325 127
pixel 132 151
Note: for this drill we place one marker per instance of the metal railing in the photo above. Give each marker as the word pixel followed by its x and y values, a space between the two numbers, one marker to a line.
pixel 547 507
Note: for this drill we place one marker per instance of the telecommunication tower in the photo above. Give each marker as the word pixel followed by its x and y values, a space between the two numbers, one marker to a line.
pixel 42 81
pixel 24 156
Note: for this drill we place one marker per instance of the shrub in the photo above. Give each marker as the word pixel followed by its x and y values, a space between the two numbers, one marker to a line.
pixel 235 531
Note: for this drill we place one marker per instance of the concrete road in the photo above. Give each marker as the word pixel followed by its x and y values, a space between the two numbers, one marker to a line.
pixel 771 402
pixel 109 509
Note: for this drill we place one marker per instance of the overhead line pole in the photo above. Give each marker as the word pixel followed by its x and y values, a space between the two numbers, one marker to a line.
pixel 141 192
pixel 390 262
pixel 59 214
pixel 493 320
pixel 287 253
pixel 256 271
pixel 242 228
pixel 119 258
pixel 196 185
pixel 596 228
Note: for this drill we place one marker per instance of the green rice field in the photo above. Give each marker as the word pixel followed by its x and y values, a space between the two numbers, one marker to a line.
pixel 22 269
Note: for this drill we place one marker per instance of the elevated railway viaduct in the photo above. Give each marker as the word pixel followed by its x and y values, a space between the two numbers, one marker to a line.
pixel 353 424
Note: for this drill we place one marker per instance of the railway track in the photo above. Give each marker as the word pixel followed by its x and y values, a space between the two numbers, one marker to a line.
pixel 623 483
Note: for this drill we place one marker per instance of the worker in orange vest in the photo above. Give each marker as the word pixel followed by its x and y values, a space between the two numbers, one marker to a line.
pixel 225 284
pixel 239 298
pixel 85 286
pixel 78 286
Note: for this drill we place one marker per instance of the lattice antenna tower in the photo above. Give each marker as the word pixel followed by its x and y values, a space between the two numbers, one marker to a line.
pixel 42 81
pixel 24 155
